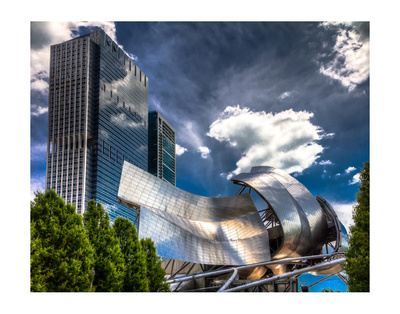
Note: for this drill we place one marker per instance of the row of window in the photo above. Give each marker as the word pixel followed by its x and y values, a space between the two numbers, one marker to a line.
pixel 66 84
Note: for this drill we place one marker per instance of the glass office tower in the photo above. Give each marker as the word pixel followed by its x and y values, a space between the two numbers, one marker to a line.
pixel 161 148
pixel 98 113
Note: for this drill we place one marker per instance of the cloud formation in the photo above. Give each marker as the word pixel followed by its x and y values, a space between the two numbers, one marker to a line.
pixel 179 150
pixel 285 95
pixel 204 151
pixel 355 180
pixel 37 184
pixel 286 140
pixel 38 151
pixel 192 136
pixel 38 110
pixel 345 213
pixel 350 169
pixel 325 162
pixel 350 63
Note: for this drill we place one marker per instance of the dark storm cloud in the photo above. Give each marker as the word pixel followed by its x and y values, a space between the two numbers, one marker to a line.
pixel 201 68
pixel 39 36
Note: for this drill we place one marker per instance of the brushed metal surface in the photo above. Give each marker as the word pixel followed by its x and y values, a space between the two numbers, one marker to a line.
pixel 226 230
pixel 193 228
pixel 302 219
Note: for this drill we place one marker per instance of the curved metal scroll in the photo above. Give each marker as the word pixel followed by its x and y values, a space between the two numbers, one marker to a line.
pixel 303 222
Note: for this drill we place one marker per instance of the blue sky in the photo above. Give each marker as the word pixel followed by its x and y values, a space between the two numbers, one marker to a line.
pixel 295 96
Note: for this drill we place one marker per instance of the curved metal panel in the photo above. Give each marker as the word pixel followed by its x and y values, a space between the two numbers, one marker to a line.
pixel 193 228
pixel 302 219
pixel 228 230
pixel 139 187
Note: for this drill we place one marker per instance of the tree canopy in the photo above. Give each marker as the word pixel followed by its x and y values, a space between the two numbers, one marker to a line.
pixel 69 253
pixel 357 257
pixel 155 271
pixel 135 272
pixel 109 262
pixel 61 255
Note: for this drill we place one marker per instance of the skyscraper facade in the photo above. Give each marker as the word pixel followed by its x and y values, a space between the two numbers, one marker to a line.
pixel 161 148
pixel 98 113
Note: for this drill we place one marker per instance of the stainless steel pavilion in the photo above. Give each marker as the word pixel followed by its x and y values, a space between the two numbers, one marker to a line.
pixel 212 243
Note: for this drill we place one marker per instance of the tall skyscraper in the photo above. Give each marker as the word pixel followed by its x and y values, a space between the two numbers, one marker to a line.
pixel 161 148
pixel 98 113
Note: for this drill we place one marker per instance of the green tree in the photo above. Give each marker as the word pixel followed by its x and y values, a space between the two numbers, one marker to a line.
pixel 135 279
pixel 61 255
pixel 329 290
pixel 109 262
pixel 357 257
pixel 155 271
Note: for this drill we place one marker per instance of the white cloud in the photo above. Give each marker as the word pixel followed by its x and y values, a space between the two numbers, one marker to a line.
pixel 39 151
pixel 192 137
pixel 179 150
pixel 350 64
pixel 226 175
pixel 285 95
pixel 325 162
pixel 350 169
pixel 39 83
pixel 38 110
pixel 355 180
pixel 155 103
pixel 37 183
pixel 336 23
pixel 344 212
pixel 204 151
pixel 285 140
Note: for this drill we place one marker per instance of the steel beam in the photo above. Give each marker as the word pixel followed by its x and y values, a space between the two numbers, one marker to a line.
pixel 286 275
pixel 228 270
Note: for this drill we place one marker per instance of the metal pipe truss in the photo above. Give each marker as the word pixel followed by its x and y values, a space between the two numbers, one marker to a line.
pixel 301 265
pixel 287 275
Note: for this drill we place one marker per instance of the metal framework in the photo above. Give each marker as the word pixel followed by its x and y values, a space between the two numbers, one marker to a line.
pixel 226 244
pixel 220 278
